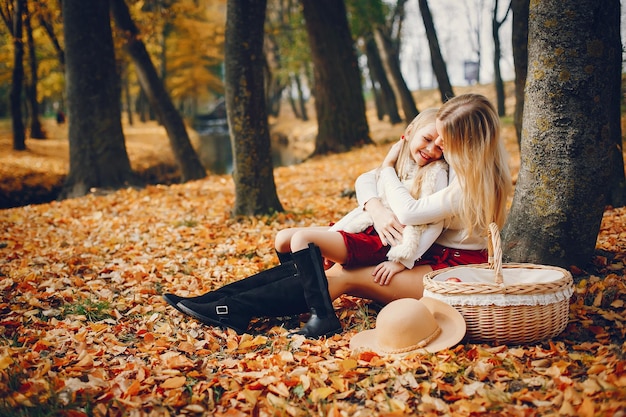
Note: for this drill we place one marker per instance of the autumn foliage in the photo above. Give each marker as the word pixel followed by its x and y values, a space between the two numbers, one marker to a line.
pixel 84 330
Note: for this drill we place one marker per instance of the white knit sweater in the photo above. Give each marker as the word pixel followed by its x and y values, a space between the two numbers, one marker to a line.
pixel 416 239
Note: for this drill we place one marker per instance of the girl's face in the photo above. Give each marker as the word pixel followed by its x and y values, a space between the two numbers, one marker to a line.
pixel 424 148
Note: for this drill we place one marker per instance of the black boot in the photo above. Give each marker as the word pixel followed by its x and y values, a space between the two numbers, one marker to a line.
pixel 323 321
pixel 284 257
pixel 287 269
pixel 282 297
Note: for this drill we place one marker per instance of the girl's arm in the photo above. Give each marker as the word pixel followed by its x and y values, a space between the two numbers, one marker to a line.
pixel 432 209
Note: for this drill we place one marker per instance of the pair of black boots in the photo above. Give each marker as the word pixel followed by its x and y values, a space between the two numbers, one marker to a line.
pixel 297 285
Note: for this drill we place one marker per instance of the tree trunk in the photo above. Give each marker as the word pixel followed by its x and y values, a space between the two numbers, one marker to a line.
pixel 36 130
pixel 98 156
pixel 186 157
pixel 253 173
pixel 574 58
pixel 391 62
pixel 17 80
pixel 378 75
pixel 439 65
pixel 497 55
pixel 339 101
pixel 520 59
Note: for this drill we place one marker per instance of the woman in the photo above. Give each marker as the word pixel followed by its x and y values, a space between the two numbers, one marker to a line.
pixel 479 184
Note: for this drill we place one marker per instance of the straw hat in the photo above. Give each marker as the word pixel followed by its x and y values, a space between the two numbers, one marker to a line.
pixel 410 325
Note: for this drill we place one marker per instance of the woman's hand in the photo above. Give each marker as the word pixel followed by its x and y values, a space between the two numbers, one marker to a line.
pixel 385 271
pixel 386 223
pixel 392 155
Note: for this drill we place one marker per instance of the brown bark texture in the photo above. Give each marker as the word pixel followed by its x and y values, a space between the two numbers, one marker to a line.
pixel 339 101
pixel 255 189
pixel 574 60
pixel 98 156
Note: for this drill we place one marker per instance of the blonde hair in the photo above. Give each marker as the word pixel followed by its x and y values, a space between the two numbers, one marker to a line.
pixel 405 165
pixel 470 128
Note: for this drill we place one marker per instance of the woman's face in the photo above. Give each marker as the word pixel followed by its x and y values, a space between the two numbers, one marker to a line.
pixel 439 137
pixel 423 145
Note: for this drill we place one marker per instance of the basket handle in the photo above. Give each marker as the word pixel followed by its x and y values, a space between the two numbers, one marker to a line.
pixel 494 247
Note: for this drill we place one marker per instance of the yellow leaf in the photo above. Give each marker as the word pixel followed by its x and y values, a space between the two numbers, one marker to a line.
pixel 348 364
pixel 175 382
pixel 5 361
pixel 319 394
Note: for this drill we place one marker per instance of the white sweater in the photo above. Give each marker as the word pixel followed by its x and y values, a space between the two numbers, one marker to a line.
pixel 416 239
pixel 438 207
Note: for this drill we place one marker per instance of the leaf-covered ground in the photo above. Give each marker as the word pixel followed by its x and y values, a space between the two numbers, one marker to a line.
pixel 84 330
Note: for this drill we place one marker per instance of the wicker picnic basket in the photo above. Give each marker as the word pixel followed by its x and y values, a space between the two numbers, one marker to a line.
pixel 513 303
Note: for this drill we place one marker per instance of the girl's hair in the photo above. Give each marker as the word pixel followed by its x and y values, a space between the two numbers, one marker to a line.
pixel 470 128
pixel 405 165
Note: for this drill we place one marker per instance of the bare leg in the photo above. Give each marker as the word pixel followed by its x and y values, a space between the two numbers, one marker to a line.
pixel 282 241
pixel 331 244
pixel 360 283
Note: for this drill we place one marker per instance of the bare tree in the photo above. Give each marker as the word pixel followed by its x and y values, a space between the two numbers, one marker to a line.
pixel 571 117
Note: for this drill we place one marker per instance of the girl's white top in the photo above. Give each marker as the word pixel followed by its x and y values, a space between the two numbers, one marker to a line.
pixel 438 207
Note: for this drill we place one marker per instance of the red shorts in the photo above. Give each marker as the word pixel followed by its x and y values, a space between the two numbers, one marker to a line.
pixel 364 248
pixel 440 257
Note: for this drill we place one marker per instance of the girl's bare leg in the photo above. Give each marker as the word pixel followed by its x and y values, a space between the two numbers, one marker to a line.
pixel 360 283
pixel 331 244
pixel 282 241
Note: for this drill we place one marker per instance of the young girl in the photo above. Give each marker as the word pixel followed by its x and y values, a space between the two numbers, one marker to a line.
pixel 467 129
pixel 353 241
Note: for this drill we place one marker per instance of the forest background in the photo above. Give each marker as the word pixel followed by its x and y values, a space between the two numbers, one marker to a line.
pixel 85 331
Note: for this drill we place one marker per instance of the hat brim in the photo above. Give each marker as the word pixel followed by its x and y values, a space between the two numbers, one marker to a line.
pixel 448 318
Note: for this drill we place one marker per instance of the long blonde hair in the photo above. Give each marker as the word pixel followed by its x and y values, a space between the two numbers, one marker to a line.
pixel 470 128
pixel 405 165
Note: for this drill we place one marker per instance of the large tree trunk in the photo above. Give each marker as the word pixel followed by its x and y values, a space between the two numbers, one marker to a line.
pixel 98 156
pixel 36 131
pixel 391 62
pixel 574 60
pixel 255 190
pixel 439 65
pixel 520 59
pixel 339 101
pixel 378 75
pixel 17 80
pixel 186 157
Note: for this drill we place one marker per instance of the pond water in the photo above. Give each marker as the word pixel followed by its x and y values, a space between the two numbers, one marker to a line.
pixel 215 151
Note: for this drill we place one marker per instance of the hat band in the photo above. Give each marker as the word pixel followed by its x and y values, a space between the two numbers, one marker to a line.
pixel 421 344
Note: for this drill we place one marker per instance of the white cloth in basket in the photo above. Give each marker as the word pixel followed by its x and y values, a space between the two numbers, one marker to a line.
pixel 513 276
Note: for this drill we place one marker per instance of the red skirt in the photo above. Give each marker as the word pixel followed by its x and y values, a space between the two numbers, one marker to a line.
pixel 440 257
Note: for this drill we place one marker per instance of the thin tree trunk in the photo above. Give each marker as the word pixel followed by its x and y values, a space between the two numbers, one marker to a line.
pixel 36 131
pixel 497 55
pixel 387 98
pixel 520 59
pixel 391 63
pixel 439 65
pixel 17 81
pixel 186 157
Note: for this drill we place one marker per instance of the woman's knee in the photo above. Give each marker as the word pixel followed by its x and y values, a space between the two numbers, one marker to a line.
pixel 282 241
